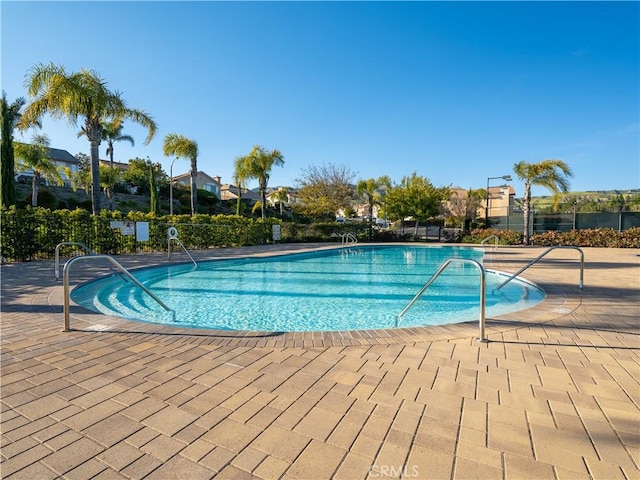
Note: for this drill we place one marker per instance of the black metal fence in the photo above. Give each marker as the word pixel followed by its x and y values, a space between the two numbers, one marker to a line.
pixel 565 222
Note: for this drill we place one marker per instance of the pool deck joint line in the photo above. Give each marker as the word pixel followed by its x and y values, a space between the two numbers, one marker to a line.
pixel 555 393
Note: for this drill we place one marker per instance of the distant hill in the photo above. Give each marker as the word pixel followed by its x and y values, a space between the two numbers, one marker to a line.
pixel 599 193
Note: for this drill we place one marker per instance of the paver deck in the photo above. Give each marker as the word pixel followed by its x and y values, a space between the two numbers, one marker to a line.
pixel 555 394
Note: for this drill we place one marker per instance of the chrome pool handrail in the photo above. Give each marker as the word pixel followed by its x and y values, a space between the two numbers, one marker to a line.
pixel 495 242
pixel 580 286
pixel 348 238
pixel 65 281
pixel 57 255
pixel 480 269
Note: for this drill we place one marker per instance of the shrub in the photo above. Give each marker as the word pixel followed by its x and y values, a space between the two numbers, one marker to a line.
pixel 505 237
pixel 595 237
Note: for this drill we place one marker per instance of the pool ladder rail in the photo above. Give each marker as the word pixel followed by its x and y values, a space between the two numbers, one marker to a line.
pixel 172 234
pixel 535 260
pixel 65 281
pixel 481 270
pixel 433 278
pixel 57 255
pixel 348 239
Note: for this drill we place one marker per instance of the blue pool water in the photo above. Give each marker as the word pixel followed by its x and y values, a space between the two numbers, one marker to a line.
pixel 357 288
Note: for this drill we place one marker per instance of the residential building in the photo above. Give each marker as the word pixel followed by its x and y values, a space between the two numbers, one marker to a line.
pixel 292 197
pixel 203 181
pixel 119 165
pixel 61 159
pixel 499 201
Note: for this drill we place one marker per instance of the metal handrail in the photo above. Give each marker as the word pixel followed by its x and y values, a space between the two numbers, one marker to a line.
pixel 114 262
pixel 495 243
pixel 183 247
pixel 479 267
pixel 348 238
pixel 57 262
pixel 542 255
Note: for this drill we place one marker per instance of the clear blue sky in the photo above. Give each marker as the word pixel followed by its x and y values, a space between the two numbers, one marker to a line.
pixel 456 91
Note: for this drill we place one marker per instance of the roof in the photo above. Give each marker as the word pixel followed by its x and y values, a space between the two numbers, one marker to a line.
pixel 200 174
pixel 60 155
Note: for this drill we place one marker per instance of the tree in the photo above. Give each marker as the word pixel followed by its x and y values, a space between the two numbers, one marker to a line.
pixel 415 197
pixel 109 176
pixel 137 175
pixel 371 189
pixel 111 133
pixel 241 172
pixel 552 174
pixel 154 207
pixel 282 196
pixel 82 94
pixel 182 147
pixel 81 178
pixel 464 209
pixel 325 189
pixel 9 116
pixel 35 157
pixel 259 163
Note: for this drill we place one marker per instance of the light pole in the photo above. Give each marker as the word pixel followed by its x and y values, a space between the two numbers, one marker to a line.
pixel 506 178
pixel 171 187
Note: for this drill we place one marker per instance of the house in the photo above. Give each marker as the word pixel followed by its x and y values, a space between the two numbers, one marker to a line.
pixel 499 201
pixel 203 181
pixel 273 197
pixel 61 159
pixel 230 192
pixel 119 165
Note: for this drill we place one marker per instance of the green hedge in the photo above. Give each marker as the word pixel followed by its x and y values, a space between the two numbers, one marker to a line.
pixel 505 237
pixel 33 232
pixel 594 237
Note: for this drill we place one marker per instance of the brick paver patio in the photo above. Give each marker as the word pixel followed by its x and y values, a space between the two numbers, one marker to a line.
pixel 555 394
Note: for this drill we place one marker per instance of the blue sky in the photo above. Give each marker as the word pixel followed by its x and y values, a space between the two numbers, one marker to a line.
pixel 456 91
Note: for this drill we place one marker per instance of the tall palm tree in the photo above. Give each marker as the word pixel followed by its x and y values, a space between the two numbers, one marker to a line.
pixel 261 162
pixel 111 133
pixel 282 196
pixel 35 157
pixel 82 94
pixel 370 188
pixel 182 147
pixel 552 174
pixel 241 172
pixel 9 116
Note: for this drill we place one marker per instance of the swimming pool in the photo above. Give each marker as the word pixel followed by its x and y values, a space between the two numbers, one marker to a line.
pixel 356 288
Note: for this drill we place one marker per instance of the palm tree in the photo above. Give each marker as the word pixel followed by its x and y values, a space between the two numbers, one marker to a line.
pixel 82 94
pixel 111 133
pixel 9 116
pixel 282 196
pixel 552 174
pixel 182 147
pixel 240 173
pixel 34 157
pixel 260 164
pixel 370 189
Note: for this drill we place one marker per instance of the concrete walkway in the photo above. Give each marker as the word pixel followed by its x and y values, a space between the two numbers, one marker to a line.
pixel 555 394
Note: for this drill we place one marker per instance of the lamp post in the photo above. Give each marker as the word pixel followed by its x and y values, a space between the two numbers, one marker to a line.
pixel 506 178
pixel 171 187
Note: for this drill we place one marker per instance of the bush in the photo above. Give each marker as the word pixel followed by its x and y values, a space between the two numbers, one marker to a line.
pixel 595 237
pixel 33 232
pixel 505 237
